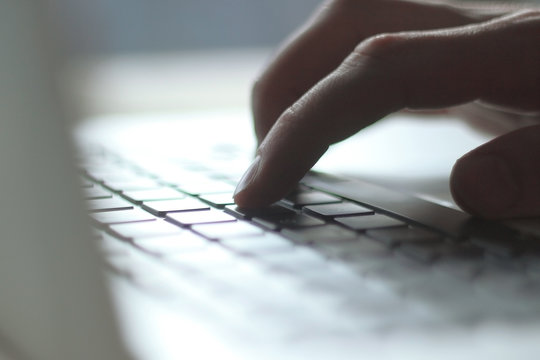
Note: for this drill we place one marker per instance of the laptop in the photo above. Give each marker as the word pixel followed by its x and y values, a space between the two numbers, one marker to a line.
pixel 121 248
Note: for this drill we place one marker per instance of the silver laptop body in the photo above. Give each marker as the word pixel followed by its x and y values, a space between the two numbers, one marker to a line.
pixel 53 302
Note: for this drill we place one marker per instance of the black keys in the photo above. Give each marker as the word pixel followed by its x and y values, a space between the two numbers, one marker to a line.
pixel 272 210
pixel 287 220
pixel 499 247
pixel 424 252
pixel 449 252
pixel 275 217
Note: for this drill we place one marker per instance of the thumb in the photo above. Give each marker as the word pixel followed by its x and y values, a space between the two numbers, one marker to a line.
pixel 501 179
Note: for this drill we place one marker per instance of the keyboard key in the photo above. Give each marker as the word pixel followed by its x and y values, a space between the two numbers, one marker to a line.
pixel 360 255
pixel 110 173
pixel 366 222
pixel 447 220
pixel 400 272
pixel 272 210
pixel 162 207
pixel 199 217
pixel 206 186
pixel 465 251
pixel 218 200
pixel 95 192
pixel 396 236
pixel 172 244
pixel 145 229
pixel 122 216
pixel 111 204
pixel 325 234
pixel 164 193
pixel 132 184
pixel 429 251
pixel 494 237
pixel 289 220
pixel 501 247
pixel 340 209
pixel 260 244
pixel 463 262
pixel 227 230
pixel 300 259
pixel 360 250
pixel 303 198
pixel 424 252
pixel 213 256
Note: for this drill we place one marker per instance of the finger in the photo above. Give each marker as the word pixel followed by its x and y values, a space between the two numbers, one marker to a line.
pixel 320 45
pixel 501 179
pixel 385 74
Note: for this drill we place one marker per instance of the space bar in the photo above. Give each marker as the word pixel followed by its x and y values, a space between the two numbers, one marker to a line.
pixel 448 221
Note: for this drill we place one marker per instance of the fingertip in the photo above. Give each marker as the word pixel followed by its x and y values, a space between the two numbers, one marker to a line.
pixel 484 185
pixel 247 193
pixel 259 186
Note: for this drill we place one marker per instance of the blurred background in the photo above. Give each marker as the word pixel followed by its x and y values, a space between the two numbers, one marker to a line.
pixel 136 26
pixel 170 55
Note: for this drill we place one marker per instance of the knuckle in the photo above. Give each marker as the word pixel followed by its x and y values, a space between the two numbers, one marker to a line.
pixel 380 48
pixel 382 45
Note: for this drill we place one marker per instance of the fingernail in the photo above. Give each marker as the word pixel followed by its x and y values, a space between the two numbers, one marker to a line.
pixel 249 176
pixel 484 185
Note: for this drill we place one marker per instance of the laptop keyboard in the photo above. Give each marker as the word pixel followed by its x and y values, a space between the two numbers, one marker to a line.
pixel 314 260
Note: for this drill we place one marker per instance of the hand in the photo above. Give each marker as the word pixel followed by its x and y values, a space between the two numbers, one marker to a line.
pixel 357 61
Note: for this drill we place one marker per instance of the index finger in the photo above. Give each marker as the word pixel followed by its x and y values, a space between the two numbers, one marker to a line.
pixel 321 44
pixel 385 74
pixel 327 113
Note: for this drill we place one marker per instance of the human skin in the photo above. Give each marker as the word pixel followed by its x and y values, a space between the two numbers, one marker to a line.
pixel 356 61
